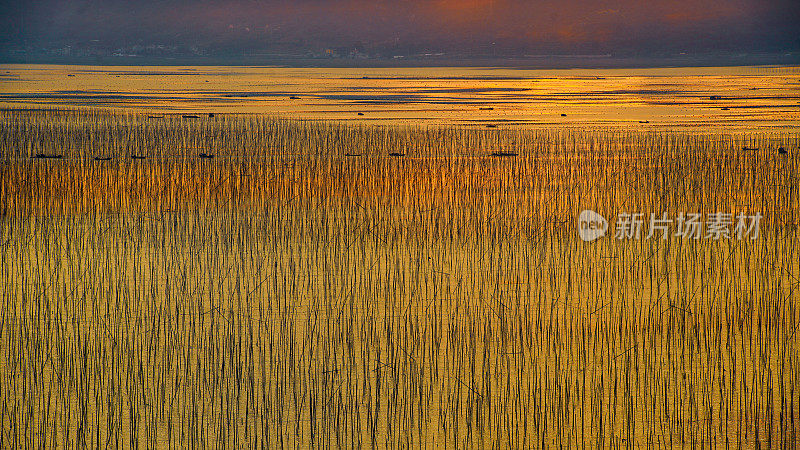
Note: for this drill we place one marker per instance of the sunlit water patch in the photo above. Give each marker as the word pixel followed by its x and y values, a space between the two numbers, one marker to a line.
pixel 731 98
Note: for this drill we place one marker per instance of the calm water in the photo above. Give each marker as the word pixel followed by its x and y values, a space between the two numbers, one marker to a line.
pixel 290 298
pixel 731 98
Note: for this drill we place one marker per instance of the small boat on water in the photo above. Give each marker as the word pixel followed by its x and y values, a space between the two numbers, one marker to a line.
pixel 360 114
pixel 48 156
pixel 501 154
pixel 644 121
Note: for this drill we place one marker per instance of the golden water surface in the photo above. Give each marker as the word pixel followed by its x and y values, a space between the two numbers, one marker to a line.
pixel 305 288
pixel 728 98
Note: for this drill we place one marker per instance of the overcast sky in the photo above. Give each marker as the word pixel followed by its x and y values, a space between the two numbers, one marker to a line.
pixel 504 27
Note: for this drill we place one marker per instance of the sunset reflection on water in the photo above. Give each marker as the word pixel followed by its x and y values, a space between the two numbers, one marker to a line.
pixel 696 99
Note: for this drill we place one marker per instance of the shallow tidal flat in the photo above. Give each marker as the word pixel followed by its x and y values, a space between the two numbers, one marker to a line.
pixel 300 287
pixel 705 99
